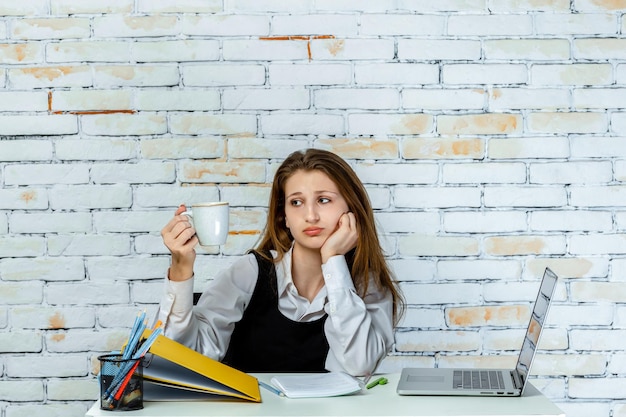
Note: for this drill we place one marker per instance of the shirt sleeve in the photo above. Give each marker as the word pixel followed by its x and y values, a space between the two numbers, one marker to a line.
pixel 207 326
pixel 359 330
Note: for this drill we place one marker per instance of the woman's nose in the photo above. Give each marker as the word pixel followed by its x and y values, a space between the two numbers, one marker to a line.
pixel 312 214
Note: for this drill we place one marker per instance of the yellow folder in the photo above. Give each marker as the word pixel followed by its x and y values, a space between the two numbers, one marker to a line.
pixel 173 371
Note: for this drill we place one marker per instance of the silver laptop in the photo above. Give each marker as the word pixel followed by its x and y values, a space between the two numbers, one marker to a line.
pixel 487 382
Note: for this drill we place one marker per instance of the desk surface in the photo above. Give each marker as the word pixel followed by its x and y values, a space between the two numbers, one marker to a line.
pixel 381 400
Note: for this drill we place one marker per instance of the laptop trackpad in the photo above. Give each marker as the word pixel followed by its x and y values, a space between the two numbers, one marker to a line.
pixel 425 378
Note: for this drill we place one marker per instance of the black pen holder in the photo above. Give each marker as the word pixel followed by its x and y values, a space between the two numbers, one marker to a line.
pixel 121 383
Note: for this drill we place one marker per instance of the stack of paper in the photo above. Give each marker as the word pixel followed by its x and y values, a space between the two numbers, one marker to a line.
pixel 317 385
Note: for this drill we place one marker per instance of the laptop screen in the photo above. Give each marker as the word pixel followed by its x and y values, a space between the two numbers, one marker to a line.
pixel 537 318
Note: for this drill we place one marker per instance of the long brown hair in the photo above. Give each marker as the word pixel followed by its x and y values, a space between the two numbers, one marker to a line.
pixel 367 259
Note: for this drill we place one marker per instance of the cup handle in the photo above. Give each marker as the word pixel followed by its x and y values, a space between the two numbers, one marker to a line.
pixel 187 213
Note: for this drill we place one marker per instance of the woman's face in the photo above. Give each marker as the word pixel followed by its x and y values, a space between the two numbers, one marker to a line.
pixel 313 206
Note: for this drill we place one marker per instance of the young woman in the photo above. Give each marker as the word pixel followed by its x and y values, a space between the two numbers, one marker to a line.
pixel 316 294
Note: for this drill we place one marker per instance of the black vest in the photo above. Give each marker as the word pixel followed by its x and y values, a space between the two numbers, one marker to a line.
pixel 266 341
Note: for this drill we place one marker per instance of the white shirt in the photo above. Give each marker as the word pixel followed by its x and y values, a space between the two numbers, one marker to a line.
pixel 359 330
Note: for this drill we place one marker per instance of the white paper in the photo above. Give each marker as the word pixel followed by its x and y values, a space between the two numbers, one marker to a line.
pixel 328 384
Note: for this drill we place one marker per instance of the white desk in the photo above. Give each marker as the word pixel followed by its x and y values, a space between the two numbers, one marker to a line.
pixel 381 400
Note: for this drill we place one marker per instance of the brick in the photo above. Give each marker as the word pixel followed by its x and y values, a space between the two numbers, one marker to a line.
pixel 37 174
pixel 48 269
pixel 486 316
pixel 83 294
pixel 95 150
pixel 443 148
pixel 524 196
pixel 439 197
pixel 21 342
pixel 427 245
pixel 88 51
pixel 582 315
pixel 422 317
pixel 438 49
pixel 512 292
pixel 478 269
pixel 24 125
pixel 525 245
pixel 571 172
pixel 46 366
pixel 583 267
pixel 599 6
pixel 570 364
pixel 598 98
pixel 14 246
pixel 84 197
pixel 437 341
pixel 17 391
pixel 263 50
pixel 484 222
pixel 50 222
pixel 63 7
pixel 19 101
pixel 618 123
pixel 527 49
pixel 52 318
pixel 225 25
pixel 24 150
pixel 112 26
pixel 50 76
pixel 173 196
pixel 268 6
pixel 50 28
pixel 199 171
pixel 179 6
pixel 254 148
pixel 488 172
pixel 484 124
pixel 391 173
pixel 94 100
pixel 352 49
pixel 253 195
pixel 526 5
pixel 521 98
pixel 24 8
pixel 146 75
pixel 120 124
pixel 89 245
pixel 265 99
pixel 302 124
pixel 571 74
pixel 412 269
pixel 181 147
pixel 528 147
pixel 401 25
pixel 356 98
pixel 143 172
pixel 19 198
pixel 599 48
pixel 113 269
pixel 177 100
pixel 598 291
pixel 596 387
pixel 576 24
pixel 355 5
pixel 361 148
pixel 85 340
pixel 598 196
pixel 392 73
pixel 490 25
pixel 72 389
pixel 130 221
pixel 408 222
pixel 14 293
pixel 569 221
pixel 308 74
pixel 175 50
pixel 435 99
pixel 484 74
pixel 199 123
pixel 220 74
pixel 21 53
pixel 339 25
pixel 389 124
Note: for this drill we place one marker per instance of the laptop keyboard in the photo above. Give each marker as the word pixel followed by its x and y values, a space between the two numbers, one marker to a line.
pixel 478 380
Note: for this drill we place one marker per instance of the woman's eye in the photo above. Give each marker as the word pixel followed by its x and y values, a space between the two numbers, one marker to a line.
pixel 324 200
pixel 295 202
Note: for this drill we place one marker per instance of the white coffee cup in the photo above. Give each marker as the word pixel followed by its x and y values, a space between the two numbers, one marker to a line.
pixel 210 221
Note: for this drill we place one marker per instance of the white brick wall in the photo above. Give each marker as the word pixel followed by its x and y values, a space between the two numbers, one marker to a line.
pixel 491 136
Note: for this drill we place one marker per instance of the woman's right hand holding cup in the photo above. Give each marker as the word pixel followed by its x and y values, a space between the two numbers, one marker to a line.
pixel 179 237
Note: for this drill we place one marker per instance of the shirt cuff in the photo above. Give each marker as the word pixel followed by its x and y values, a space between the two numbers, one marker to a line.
pixel 337 274
pixel 179 295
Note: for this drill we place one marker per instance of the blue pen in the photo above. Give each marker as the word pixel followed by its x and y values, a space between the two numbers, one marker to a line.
pixel 271 389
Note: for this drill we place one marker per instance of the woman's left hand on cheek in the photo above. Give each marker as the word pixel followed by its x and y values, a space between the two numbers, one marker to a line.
pixel 343 239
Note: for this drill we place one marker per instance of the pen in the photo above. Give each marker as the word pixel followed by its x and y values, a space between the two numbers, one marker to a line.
pixel 378 381
pixel 271 388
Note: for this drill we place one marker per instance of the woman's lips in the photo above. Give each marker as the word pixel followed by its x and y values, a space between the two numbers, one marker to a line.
pixel 312 231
